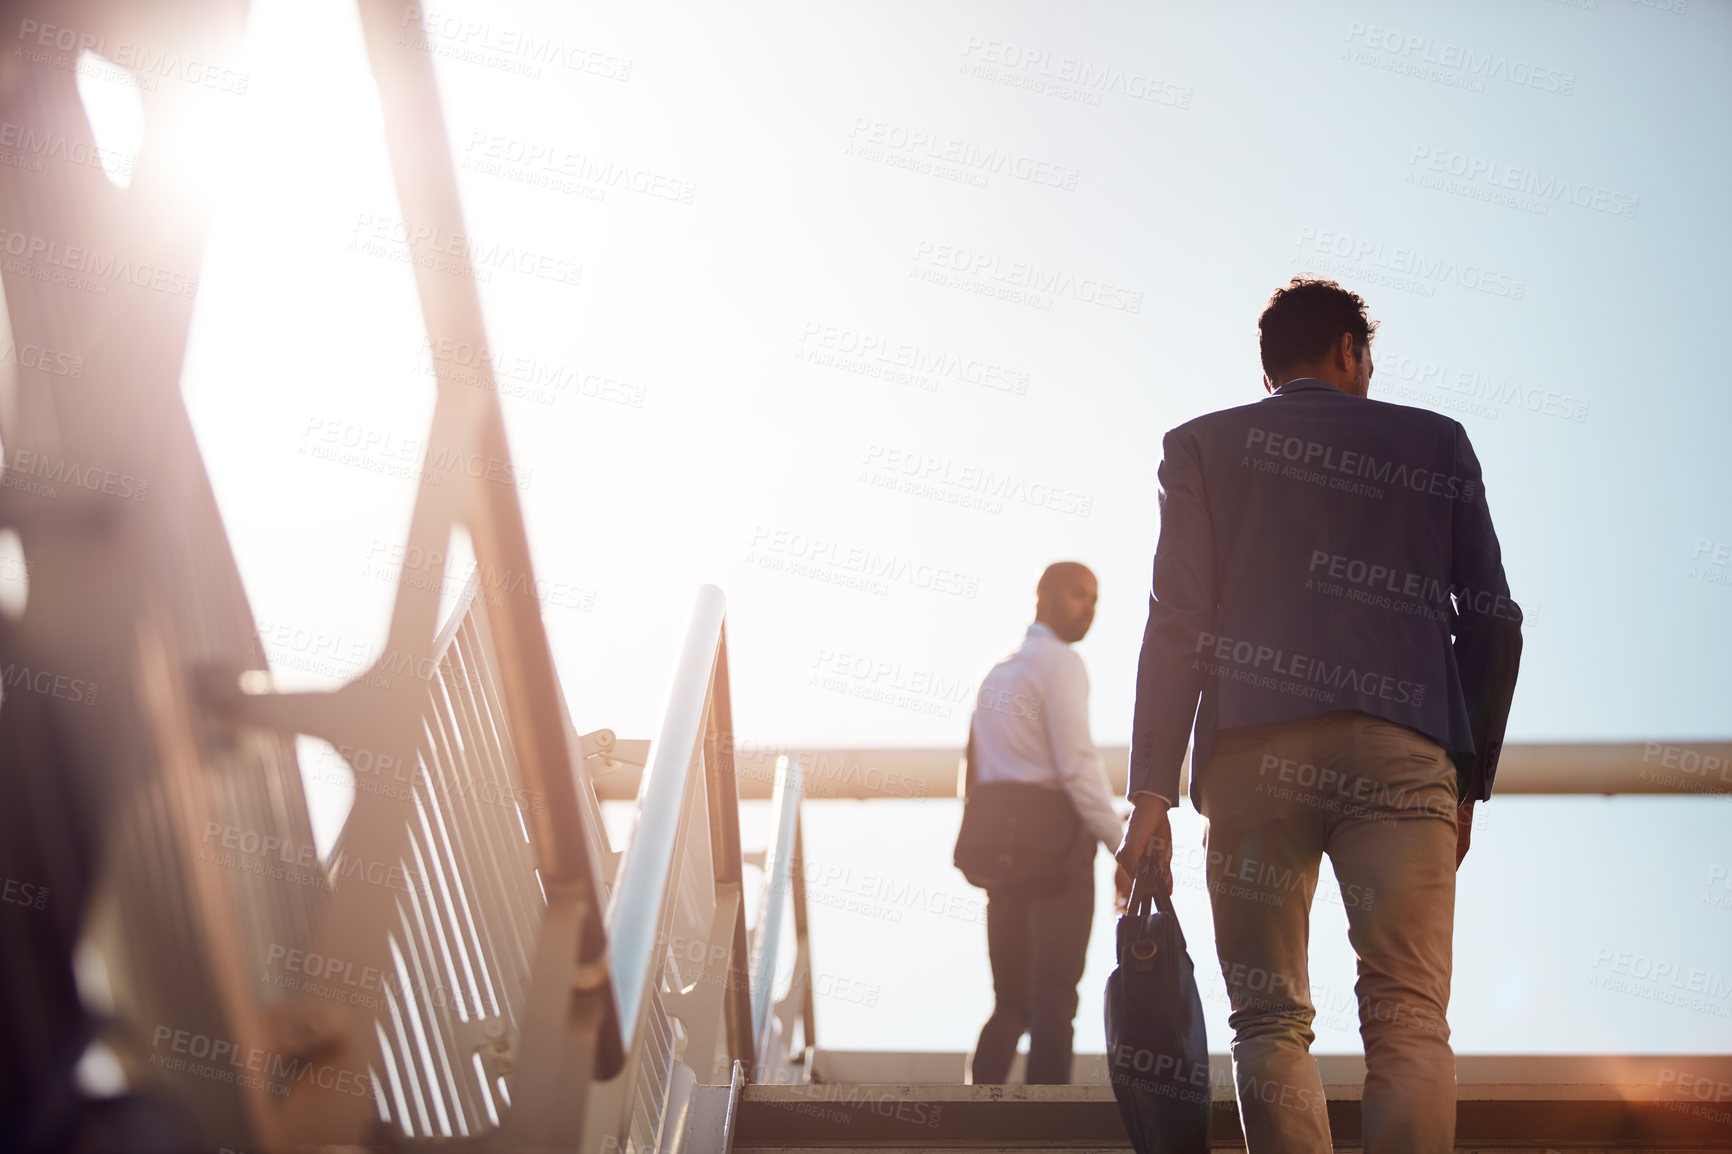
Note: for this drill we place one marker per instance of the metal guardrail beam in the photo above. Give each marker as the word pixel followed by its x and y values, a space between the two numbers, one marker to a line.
pixel 1672 766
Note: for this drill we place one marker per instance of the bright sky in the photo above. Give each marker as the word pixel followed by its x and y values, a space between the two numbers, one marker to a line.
pixel 749 358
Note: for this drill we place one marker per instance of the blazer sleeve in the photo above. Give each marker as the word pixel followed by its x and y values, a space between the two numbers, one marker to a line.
pixel 1181 610
pixel 1487 622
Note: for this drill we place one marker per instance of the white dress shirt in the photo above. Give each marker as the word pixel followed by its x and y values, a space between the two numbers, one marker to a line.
pixel 1031 724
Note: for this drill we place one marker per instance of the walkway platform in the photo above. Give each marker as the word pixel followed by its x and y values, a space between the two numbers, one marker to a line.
pixel 1574 1103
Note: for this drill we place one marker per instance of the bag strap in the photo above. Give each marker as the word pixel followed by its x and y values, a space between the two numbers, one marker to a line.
pixel 969 775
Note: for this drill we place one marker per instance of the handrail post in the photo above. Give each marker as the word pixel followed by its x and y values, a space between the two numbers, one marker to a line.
pixel 802 935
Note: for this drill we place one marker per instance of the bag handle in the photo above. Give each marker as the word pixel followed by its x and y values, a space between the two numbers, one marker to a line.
pixel 1149 886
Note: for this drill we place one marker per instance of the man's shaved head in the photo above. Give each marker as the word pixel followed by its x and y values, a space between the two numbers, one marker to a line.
pixel 1061 573
pixel 1064 600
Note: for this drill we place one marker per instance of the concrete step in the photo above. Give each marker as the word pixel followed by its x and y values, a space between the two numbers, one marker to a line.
pixel 902 1116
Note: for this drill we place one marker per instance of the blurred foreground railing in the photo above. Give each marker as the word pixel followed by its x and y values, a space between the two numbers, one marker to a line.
pixel 444 984
pixel 461 967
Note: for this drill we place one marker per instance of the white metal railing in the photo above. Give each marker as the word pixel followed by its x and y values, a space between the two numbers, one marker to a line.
pixel 688 1003
pixel 519 1002
pixel 640 893
pixel 694 1005
pixel 772 1020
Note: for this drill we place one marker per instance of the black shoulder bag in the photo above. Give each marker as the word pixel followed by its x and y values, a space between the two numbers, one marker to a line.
pixel 1015 835
pixel 1157 1048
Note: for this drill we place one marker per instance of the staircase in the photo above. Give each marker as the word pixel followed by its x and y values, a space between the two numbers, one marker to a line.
pixel 1529 1103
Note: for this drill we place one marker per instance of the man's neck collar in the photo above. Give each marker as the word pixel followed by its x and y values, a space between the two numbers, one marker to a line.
pixel 1305 384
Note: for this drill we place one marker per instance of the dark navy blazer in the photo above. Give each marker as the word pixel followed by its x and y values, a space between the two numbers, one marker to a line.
pixel 1320 552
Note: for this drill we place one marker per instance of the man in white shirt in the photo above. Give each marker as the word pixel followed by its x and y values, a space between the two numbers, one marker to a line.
pixel 1031 726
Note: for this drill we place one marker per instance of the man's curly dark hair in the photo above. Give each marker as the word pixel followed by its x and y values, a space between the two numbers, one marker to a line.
pixel 1305 318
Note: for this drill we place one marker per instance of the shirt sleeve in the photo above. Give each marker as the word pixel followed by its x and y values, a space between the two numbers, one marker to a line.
pixel 1181 610
pixel 1066 708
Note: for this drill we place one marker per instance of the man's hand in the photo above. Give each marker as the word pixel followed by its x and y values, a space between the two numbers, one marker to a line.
pixel 1463 830
pixel 1148 823
pixel 1121 884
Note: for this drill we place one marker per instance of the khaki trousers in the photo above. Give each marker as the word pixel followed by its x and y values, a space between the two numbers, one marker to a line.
pixel 1380 800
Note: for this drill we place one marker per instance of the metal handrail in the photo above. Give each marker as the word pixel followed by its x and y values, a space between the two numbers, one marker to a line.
pixel 784 878
pixel 778 879
pixel 676 914
pixel 640 892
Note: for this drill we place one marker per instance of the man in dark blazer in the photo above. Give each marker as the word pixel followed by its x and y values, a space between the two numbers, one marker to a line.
pixel 1329 616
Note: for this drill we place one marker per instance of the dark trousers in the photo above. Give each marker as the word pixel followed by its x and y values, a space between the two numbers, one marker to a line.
pixel 1037 945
